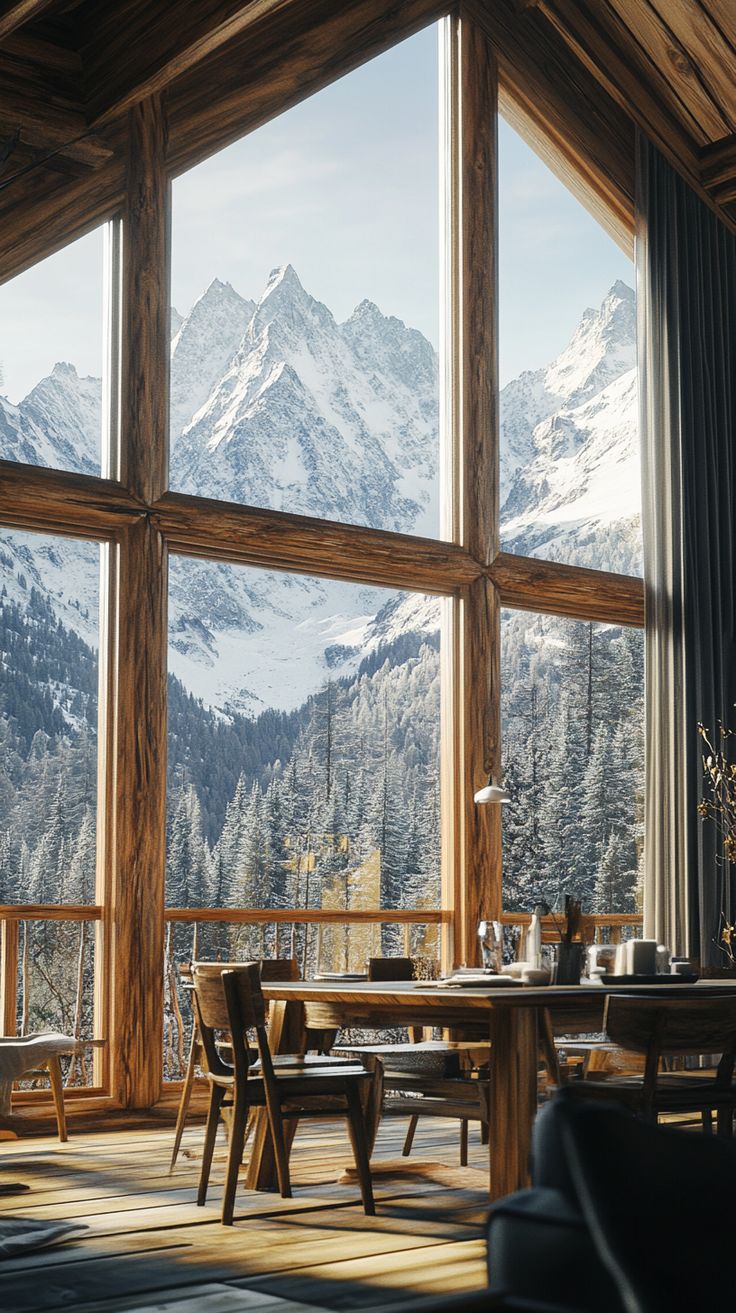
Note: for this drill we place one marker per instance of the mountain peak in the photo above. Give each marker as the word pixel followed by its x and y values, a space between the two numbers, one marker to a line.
pixel 621 292
pixel 367 310
pixel 283 278
pixel 286 304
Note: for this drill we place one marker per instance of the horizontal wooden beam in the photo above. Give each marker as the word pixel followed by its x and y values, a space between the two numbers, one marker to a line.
pixel 311 916
pixel 276 65
pixel 50 912
pixel 35 497
pixel 218 530
pixel 527 584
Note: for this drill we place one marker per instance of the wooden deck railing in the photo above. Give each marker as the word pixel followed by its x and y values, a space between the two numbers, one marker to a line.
pixel 320 938
pixel 599 927
pixel 48 980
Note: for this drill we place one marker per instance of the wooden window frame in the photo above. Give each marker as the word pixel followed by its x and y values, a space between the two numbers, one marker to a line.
pixel 134 510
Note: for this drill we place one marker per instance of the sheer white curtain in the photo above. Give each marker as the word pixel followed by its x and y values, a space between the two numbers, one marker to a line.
pixel 686 294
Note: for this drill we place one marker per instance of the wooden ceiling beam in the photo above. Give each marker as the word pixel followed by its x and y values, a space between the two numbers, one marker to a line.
pixel 561 110
pixel 272 70
pixel 44 213
pixel 40 97
pixel 137 49
pixel 15 15
pixel 598 39
pixel 718 169
pixel 677 78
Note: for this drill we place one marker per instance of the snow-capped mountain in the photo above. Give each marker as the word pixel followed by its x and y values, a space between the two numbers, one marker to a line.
pixel 276 404
pixel 58 424
pixel 333 420
pixel 570 447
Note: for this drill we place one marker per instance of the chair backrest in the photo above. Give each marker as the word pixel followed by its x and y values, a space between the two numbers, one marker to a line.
pixel 276 970
pixel 672 1025
pixel 246 1008
pixel 215 1013
pixel 391 968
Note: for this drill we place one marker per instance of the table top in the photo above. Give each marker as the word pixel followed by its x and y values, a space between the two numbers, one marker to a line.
pixel 408 993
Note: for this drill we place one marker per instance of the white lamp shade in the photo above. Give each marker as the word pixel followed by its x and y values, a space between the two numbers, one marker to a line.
pixel 492 792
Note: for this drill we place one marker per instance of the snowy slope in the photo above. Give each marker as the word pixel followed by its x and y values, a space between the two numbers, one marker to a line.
pixel 570 482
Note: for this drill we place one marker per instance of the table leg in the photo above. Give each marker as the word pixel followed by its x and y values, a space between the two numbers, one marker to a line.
pixel 513 1097
pixel 285 1035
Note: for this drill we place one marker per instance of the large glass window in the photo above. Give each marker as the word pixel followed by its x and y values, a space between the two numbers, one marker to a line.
pixel 570 477
pixel 572 711
pixel 49 625
pixel 304 369
pixel 304 728
pixel 51 360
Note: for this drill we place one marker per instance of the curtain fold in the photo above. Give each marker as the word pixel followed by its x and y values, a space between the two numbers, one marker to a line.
pixel 686 297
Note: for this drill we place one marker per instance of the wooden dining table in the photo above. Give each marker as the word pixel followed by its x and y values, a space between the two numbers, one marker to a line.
pixel 509 1017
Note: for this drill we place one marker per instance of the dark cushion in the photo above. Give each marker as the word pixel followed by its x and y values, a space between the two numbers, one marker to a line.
pixel 659 1203
pixel 540 1247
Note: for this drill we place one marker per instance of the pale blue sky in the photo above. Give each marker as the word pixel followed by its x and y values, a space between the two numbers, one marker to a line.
pixel 345 188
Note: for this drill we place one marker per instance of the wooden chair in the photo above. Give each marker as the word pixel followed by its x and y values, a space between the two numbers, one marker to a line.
pixel 435 1077
pixel 660 1028
pixel 272 969
pixel 231 1001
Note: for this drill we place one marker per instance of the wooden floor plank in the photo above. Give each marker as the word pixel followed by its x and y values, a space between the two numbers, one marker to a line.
pixel 148 1246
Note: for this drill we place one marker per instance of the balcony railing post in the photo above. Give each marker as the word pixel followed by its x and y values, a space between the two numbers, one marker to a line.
pixel 9 976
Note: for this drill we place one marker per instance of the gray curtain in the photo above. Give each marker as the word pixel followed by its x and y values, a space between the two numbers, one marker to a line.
pixel 686 294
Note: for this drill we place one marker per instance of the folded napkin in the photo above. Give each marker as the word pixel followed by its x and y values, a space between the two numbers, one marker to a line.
pixel 470 980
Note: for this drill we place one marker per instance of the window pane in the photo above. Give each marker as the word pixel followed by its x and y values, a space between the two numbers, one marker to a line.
pixel 305 278
pixel 49 614
pixel 573 715
pixel 304 732
pixel 51 354
pixel 570 476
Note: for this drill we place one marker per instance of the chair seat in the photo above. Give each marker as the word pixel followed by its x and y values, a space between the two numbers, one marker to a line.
pixel 430 1057
pixel 295 1081
pixel 674 1093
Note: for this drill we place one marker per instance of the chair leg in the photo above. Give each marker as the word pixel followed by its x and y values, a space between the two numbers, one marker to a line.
pixel 724 1121
pixel 186 1095
pixel 464 1142
pixel 53 1067
pixel 234 1159
pixel 356 1130
pixel 278 1140
pixel 217 1094
pixel 707 1118
pixel 411 1132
